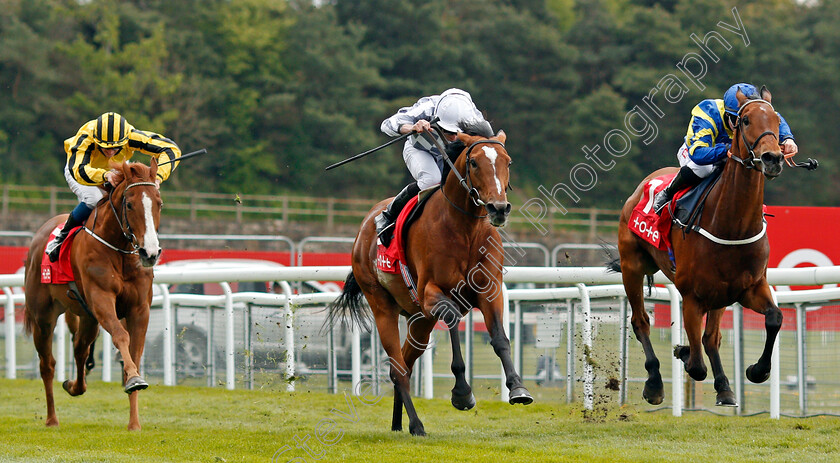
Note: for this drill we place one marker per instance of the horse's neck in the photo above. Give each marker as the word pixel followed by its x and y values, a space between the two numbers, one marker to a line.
pixel 106 225
pixel 458 195
pixel 739 201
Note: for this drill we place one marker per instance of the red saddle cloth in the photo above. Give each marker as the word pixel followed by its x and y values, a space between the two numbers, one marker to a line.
pixel 388 259
pixel 655 229
pixel 60 271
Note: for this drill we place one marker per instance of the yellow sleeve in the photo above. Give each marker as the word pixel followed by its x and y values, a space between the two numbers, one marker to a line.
pixel 157 146
pixel 80 148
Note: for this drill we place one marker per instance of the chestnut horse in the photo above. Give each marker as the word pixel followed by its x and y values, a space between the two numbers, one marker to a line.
pixel 728 266
pixel 450 253
pixel 112 264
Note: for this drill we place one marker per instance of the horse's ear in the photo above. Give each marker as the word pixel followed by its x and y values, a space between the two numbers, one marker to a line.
pixel 153 168
pixel 765 94
pixel 739 95
pixel 501 136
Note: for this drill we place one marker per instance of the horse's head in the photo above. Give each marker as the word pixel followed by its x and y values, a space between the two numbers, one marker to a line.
pixel 487 170
pixel 138 202
pixel 758 129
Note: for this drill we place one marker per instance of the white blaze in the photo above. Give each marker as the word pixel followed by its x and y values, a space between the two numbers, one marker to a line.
pixel 491 155
pixel 150 240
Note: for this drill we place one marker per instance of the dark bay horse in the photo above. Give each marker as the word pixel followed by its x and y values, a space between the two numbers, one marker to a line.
pixel 712 275
pixel 450 251
pixel 112 264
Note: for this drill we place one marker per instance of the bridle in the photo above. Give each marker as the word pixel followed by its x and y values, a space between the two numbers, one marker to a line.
pixel 752 162
pixel 125 229
pixel 466 181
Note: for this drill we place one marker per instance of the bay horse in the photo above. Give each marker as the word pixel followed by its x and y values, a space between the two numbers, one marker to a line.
pixel 451 253
pixel 112 264
pixel 711 275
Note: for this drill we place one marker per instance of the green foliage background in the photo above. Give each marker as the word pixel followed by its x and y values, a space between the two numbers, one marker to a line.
pixel 276 90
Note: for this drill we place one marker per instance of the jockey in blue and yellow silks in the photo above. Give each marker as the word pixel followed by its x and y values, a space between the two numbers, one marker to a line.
pixel 709 138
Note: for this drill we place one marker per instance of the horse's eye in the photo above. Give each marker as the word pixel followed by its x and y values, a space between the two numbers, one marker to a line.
pixel 129 206
pixel 509 163
pixel 745 120
pixel 473 163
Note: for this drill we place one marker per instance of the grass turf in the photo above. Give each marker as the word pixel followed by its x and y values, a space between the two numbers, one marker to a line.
pixel 213 425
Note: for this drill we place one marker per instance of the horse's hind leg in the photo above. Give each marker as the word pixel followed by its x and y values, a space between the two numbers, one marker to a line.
pixel 85 331
pixel 691 355
pixel 654 390
pixel 416 342
pixel 42 334
pixel 759 299
pixel 711 343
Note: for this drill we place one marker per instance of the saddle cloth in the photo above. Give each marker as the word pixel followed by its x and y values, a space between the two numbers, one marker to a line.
pixel 59 272
pixel 389 259
pixel 655 229
pixel 684 210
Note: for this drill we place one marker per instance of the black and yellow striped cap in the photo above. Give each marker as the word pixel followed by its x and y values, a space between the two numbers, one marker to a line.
pixel 111 130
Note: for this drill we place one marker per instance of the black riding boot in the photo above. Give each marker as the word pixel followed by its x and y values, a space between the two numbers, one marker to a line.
pixel 385 220
pixel 685 177
pixel 54 246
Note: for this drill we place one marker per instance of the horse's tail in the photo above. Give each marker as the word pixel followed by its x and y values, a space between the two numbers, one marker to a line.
pixel 349 308
pixel 613 264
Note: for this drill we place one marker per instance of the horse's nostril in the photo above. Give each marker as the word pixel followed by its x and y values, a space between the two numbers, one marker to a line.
pixel 771 158
pixel 507 209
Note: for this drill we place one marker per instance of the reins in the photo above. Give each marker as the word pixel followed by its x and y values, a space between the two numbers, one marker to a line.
pixel 129 235
pixel 753 161
pixel 465 181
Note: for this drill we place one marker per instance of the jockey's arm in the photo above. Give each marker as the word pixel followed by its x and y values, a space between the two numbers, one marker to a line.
pixel 406 119
pixel 79 150
pixel 786 140
pixel 157 146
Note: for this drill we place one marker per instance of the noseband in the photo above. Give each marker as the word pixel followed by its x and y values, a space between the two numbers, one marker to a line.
pixel 752 162
pixel 125 229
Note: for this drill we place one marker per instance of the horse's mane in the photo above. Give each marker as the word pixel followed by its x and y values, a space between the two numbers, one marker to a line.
pixel 479 128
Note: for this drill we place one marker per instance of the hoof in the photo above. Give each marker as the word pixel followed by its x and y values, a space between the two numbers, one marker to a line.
pixel 726 399
pixel 682 352
pixel 52 422
pixel 520 395
pixel 654 391
pixel 417 430
pixel 463 402
pixel 66 386
pixel 135 383
pixel 89 365
pixel 753 376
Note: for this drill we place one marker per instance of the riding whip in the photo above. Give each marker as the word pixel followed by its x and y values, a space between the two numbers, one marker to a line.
pixel 373 150
pixel 188 155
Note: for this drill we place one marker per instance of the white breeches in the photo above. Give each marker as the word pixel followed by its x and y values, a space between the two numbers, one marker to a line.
pixel 700 171
pixel 87 194
pixel 422 165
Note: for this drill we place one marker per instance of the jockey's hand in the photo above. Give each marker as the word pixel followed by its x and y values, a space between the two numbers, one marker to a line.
pixel 110 177
pixel 789 150
pixel 421 126
pixel 157 182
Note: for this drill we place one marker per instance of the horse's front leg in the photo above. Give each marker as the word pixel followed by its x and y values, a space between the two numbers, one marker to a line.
pixel 447 311
pixel 711 343
pixel 85 330
pixel 137 322
pixel 490 304
pixel 759 299
pixel 102 303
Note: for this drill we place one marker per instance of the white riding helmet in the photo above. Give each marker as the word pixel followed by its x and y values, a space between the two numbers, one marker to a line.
pixel 454 107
